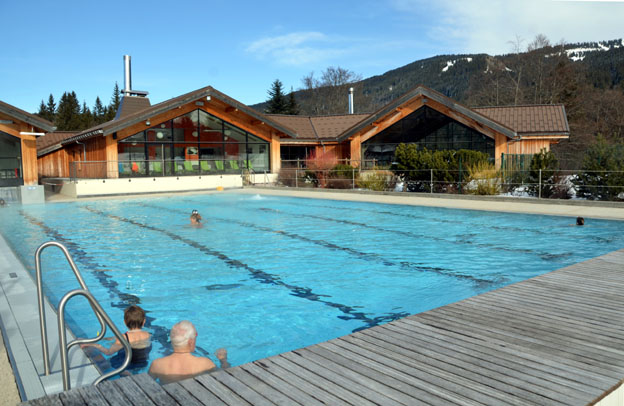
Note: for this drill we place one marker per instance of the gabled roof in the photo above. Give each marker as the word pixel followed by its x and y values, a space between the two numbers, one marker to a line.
pixel 52 141
pixel 542 119
pixel 26 117
pixel 425 92
pixel 115 125
pixel 326 128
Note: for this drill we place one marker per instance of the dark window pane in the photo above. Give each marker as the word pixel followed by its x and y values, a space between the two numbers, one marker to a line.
pixel 139 137
pixel 160 132
pixel 185 127
pixel 210 128
pixel 233 134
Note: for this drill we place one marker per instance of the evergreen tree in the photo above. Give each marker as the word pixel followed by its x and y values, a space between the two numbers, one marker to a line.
pixel 277 103
pixel 114 104
pixel 99 111
pixel 51 108
pixel 292 107
pixel 43 111
pixel 68 116
pixel 86 117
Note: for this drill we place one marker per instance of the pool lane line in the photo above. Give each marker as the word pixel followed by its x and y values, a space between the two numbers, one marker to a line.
pixel 349 312
pixel 544 255
pixel 480 282
pixel 481 225
pixel 161 334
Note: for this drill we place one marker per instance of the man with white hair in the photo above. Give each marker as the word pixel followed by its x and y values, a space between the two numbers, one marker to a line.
pixel 182 364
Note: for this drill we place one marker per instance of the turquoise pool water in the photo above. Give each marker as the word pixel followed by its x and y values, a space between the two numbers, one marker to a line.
pixel 267 275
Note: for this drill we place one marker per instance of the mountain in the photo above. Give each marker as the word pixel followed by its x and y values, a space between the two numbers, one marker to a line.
pixel 588 78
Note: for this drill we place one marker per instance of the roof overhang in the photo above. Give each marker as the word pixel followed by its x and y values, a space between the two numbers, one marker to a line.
pixel 202 95
pixel 416 98
pixel 26 117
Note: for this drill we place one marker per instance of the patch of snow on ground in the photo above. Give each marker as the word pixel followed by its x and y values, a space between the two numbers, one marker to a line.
pixel 448 65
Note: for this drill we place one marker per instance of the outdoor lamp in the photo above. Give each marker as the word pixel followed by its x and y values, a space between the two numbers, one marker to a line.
pixel 159 135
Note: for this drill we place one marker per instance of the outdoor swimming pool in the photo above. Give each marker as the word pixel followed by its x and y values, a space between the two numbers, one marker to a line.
pixel 267 274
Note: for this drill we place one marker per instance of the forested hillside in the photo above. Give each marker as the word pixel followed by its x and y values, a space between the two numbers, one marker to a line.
pixel 588 78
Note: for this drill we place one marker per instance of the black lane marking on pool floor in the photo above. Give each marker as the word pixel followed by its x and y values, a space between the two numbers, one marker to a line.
pixel 549 233
pixel 544 255
pixel 479 282
pixel 160 334
pixel 349 312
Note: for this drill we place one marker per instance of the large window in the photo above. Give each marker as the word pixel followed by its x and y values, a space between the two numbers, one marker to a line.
pixel 10 160
pixel 195 143
pixel 426 128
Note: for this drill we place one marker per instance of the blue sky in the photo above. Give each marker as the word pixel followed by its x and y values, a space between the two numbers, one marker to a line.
pixel 240 47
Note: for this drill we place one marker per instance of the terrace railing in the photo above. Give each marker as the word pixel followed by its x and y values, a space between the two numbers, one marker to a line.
pixel 591 185
pixel 160 168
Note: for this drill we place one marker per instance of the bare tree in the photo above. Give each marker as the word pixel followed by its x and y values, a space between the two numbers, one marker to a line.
pixel 328 95
pixel 540 41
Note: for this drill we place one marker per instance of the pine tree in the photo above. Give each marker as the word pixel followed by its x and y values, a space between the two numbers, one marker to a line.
pixel 114 104
pixel 68 116
pixel 51 108
pixel 292 107
pixel 99 111
pixel 277 103
pixel 86 117
pixel 43 111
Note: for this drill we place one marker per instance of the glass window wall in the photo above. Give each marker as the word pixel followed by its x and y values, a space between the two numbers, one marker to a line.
pixel 194 143
pixel 10 160
pixel 426 128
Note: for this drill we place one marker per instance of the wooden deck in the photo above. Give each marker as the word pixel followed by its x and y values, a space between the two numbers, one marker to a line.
pixel 557 339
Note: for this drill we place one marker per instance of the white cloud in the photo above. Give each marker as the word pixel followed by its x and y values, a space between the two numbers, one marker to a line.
pixel 297 48
pixel 489 25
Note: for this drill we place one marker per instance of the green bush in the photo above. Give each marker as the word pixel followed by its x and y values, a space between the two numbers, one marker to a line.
pixel 602 175
pixel 416 167
pixel 377 180
pixel 548 164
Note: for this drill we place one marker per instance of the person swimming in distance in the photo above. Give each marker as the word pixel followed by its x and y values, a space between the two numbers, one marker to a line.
pixel 196 219
pixel 580 221
pixel 2 202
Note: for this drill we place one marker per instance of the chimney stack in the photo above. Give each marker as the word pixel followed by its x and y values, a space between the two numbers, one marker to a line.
pixel 350 100
pixel 127 75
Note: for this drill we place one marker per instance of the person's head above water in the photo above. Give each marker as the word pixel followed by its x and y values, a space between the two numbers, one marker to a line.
pixel 195 217
pixel 183 335
pixel 580 221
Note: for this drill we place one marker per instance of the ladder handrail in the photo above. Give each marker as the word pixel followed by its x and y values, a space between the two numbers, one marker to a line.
pixel 42 321
pixel 64 347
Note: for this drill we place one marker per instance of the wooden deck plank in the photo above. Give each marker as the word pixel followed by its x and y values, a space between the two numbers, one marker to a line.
pixel 537 358
pixel 131 390
pixel 457 361
pixel 397 378
pixel 221 391
pixel 276 397
pixel 71 398
pixel 91 396
pixel 50 400
pixel 310 388
pixel 181 395
pixel 345 395
pixel 242 389
pixel 112 393
pixel 275 381
pixel 153 390
pixel 376 382
pixel 431 365
pixel 201 393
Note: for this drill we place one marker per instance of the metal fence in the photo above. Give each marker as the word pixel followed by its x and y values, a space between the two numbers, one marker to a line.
pixel 591 185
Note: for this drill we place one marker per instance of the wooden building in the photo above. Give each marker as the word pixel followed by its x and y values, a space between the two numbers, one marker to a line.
pixel 207 132
pixel 18 153
pixel 431 120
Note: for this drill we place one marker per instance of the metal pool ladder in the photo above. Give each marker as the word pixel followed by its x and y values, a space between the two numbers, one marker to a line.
pixel 101 315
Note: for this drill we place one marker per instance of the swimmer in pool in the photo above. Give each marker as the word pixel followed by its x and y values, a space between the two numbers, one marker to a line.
pixel 580 221
pixel 196 219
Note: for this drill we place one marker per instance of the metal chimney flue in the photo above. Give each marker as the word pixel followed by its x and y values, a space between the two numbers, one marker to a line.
pixel 350 100
pixel 127 75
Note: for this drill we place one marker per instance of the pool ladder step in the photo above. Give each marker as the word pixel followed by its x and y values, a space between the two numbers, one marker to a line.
pixel 101 315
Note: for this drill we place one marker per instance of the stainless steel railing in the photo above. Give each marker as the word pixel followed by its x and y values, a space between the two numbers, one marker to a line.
pixel 99 313
pixel 64 347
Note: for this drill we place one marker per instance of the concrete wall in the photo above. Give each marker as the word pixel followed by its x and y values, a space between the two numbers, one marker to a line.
pixel 615 398
pixel 104 187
